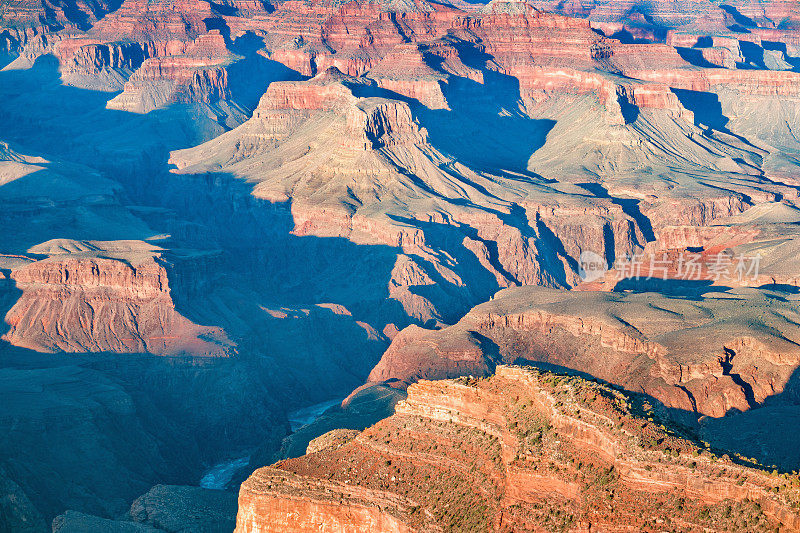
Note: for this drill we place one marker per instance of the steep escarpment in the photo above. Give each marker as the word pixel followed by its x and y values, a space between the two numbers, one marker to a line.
pixel 30 23
pixel 506 215
pixel 81 300
pixel 751 249
pixel 198 75
pixel 352 37
pixel 706 356
pixel 405 161
pixel 521 449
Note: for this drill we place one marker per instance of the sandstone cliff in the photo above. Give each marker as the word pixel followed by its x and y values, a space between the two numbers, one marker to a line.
pixel 522 449
pixel 675 350
pixel 103 297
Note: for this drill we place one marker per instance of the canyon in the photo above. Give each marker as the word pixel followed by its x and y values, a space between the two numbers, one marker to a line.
pixel 216 214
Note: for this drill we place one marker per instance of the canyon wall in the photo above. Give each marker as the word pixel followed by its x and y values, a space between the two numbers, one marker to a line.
pixel 520 449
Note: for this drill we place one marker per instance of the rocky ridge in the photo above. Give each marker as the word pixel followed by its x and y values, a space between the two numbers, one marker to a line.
pixel 103 297
pixel 520 449
pixel 708 357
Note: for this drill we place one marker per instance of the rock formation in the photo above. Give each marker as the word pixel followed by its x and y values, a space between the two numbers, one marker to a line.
pixel 92 296
pixel 675 350
pixel 383 179
pixel 197 75
pixel 521 449
pixel 217 213
pixel 164 508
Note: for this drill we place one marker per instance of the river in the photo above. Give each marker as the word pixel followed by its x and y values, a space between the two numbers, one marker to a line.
pixel 218 476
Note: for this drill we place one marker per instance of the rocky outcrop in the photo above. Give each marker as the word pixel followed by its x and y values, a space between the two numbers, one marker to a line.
pixel 83 302
pixel 523 448
pixel 163 508
pixel 353 509
pixel 440 152
pixel 375 125
pixel 23 23
pixel 196 76
pixel 646 343
pixel 147 42
pixel 375 178
pixel 332 439
pixel 179 508
pixel 415 354
pixel 352 37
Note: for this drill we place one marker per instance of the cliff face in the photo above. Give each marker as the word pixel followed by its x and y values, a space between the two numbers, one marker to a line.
pixel 84 302
pixel 406 160
pixel 654 19
pixel 672 351
pixel 522 449
pixel 606 111
pixel 352 37
pixel 446 71
pixel 23 22
pixel 198 75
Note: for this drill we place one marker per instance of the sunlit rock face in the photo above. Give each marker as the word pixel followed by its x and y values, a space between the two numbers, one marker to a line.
pixel 524 448
pixel 77 300
pixel 214 214
pixel 675 351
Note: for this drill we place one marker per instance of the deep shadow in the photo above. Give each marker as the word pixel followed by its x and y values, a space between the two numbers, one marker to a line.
pixel 249 78
pixel 695 57
pixel 707 110
pixel 78 17
pixel 766 432
pixel 214 23
pixel 753 54
pixel 484 128
pixel 476 133
pixel 218 212
pixel 224 9
pixel 781 47
pixel 230 258
pixel 727 366
pixel 489 348
pixel 73 124
pixel 781 287
pixel 706 107
pixel 626 37
pixel 9 294
pixel 687 289
pixel 738 18
pixel 630 206
pixel 478 283
pixel 630 112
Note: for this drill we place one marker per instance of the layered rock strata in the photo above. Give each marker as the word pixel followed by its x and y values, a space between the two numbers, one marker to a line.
pixel 522 449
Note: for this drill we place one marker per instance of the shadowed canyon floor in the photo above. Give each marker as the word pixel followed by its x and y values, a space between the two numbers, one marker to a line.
pixel 214 215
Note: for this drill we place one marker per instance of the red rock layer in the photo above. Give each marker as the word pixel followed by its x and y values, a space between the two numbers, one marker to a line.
pixel 138 30
pixel 22 21
pixel 353 37
pixel 752 82
pixel 616 337
pixel 198 75
pixel 521 450
pixel 90 304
